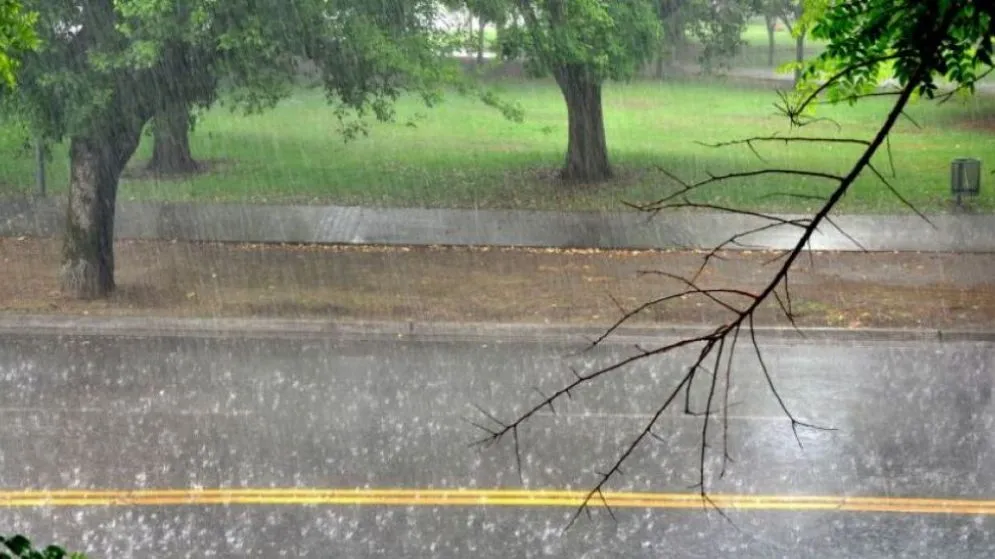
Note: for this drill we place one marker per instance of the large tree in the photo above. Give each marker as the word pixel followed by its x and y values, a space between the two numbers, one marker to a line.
pixel 583 43
pixel 106 67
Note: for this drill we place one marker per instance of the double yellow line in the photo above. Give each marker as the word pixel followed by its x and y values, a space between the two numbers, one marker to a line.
pixel 485 498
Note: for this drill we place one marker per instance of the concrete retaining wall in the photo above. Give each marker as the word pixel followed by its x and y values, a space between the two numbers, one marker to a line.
pixel 356 225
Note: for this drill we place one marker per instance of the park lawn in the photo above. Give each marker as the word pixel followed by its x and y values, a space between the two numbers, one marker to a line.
pixel 465 154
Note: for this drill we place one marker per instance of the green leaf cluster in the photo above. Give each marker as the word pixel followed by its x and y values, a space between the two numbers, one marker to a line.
pixel 19 547
pixel 610 40
pixel 871 40
pixel 17 35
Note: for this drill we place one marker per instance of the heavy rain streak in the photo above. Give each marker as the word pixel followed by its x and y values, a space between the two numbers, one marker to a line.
pixel 497 278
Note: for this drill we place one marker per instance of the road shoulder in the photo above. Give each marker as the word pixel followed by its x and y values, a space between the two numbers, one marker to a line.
pixel 434 285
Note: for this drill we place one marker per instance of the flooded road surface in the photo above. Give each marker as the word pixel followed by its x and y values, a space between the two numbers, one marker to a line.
pixel 201 447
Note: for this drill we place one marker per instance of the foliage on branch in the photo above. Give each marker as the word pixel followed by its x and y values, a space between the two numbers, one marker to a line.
pixel 17 36
pixel 610 40
pixel 247 52
pixel 20 547
pixel 917 42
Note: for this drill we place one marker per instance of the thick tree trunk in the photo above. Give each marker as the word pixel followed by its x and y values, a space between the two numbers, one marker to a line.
pixel 88 254
pixel 96 162
pixel 771 27
pixel 171 141
pixel 587 148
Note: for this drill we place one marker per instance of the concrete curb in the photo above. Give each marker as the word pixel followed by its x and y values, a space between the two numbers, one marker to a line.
pixel 135 326
pixel 604 230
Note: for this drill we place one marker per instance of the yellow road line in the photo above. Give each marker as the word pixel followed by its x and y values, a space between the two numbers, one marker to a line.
pixel 482 497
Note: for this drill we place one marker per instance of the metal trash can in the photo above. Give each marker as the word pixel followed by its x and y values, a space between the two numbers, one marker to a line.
pixel 965 177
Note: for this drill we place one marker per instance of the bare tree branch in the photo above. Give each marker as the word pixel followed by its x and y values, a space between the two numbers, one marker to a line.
pixel 686 204
pixel 913 121
pixel 715 343
pixel 735 240
pixel 710 293
pixel 605 477
pixel 726 458
pixel 853 97
pixel 950 94
pixel 703 454
pixel 843 232
pixel 813 197
pixel 898 195
pixel 777 395
pixel 656 206
pixel 786 140
pixel 659 301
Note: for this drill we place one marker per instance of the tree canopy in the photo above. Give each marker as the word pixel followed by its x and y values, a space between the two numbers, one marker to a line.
pixel 368 51
pixel 104 68
pixel 917 42
pixel 17 36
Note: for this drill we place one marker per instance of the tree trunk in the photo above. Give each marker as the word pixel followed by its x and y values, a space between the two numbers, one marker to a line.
pixel 480 40
pixel 799 54
pixel 171 141
pixel 96 162
pixel 587 149
pixel 678 41
pixel 771 27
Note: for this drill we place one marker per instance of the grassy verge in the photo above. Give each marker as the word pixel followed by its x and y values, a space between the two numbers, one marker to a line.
pixel 464 154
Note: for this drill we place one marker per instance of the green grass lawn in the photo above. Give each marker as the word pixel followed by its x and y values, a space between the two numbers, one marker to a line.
pixel 465 154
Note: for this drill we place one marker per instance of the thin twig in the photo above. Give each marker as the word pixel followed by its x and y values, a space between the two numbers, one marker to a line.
pixel 710 293
pixel 795 423
pixel 813 197
pixel 655 302
pixel 647 429
pixel 849 237
pixel 898 195
pixel 708 415
pixel 786 139
pixel 744 174
pixel 726 458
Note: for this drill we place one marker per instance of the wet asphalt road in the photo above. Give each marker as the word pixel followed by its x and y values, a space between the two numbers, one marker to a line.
pixel 913 420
